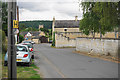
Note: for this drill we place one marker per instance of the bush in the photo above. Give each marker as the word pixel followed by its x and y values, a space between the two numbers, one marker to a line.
pixel 53 43
pixel 4 41
pixel 21 38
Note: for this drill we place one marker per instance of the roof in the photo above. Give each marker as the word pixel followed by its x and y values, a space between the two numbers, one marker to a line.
pixel 67 24
pixel 36 37
pixel 34 33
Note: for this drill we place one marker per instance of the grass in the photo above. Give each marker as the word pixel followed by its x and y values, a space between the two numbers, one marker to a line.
pixel 23 71
pixel 0 66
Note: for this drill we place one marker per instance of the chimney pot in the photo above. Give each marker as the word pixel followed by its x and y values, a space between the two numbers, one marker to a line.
pixel 76 18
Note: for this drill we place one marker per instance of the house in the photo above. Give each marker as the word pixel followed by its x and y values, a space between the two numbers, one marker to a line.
pixel 36 36
pixel 65 25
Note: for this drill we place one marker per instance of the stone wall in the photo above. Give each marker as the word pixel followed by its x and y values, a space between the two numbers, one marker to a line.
pixel 62 41
pixel 97 46
pixel 97 35
pixel 68 39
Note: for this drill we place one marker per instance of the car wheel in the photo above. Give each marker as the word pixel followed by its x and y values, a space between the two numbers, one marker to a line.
pixel 5 63
pixel 32 56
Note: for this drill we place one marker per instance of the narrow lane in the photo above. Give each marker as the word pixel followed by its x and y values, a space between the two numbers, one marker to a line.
pixel 64 63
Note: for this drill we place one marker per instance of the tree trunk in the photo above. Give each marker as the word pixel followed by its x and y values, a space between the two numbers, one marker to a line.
pixel 100 32
pixel 93 34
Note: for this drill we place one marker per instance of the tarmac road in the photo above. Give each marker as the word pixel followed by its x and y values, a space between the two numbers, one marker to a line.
pixel 64 63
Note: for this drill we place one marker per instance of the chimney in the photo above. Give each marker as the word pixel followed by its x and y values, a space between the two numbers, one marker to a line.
pixel 76 18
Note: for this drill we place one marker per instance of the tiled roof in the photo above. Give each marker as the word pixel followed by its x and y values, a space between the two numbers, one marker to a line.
pixel 34 33
pixel 67 24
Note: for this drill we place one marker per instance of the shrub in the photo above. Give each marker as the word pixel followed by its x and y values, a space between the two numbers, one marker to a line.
pixel 53 43
pixel 21 38
pixel 3 41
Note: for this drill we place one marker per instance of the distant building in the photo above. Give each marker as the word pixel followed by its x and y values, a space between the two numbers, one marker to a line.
pixel 36 36
pixel 41 26
pixel 65 25
pixel 28 36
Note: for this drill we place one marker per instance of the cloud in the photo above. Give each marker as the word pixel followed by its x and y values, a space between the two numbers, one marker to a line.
pixel 45 10
pixel 33 6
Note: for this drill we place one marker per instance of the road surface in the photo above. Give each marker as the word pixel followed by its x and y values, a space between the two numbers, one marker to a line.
pixel 64 63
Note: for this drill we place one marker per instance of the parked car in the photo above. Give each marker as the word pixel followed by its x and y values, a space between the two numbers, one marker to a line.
pixel 23 55
pixel 32 42
pixel 30 46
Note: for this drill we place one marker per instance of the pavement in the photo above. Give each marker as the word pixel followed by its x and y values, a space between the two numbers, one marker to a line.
pixel 64 63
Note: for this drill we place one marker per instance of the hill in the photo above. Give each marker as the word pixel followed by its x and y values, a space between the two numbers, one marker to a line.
pixel 35 24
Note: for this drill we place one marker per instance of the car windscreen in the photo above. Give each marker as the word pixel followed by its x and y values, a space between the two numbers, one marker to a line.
pixel 26 42
pixel 30 46
pixel 22 48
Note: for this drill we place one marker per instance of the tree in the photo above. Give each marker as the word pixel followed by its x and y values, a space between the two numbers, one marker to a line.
pixel 4 17
pixel 22 27
pixel 4 43
pixel 21 38
pixel 46 31
pixel 99 17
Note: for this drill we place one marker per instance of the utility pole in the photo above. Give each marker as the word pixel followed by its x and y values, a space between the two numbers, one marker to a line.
pixel 12 70
pixel 119 19
pixel 18 23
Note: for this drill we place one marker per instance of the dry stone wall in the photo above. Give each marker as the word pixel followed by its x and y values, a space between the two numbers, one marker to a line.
pixel 62 41
pixel 97 46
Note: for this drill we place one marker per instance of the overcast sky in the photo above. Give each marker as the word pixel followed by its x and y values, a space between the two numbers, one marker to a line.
pixel 47 9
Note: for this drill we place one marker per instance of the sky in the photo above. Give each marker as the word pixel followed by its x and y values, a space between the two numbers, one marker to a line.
pixel 47 9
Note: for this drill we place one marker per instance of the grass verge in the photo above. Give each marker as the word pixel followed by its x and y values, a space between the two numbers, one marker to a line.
pixel 24 72
pixel 0 66
pixel 103 57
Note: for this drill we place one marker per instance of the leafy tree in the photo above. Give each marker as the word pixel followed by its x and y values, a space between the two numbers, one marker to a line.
pixel 21 38
pixel 4 43
pixel 99 17
pixel 46 31
pixel 4 17
pixel 50 34
pixel 22 26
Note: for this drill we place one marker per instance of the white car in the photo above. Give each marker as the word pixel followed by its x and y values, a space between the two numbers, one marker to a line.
pixel 32 42
pixel 23 55
pixel 30 46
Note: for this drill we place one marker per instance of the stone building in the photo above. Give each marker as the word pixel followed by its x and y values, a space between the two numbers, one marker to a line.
pixel 65 25
pixel 41 26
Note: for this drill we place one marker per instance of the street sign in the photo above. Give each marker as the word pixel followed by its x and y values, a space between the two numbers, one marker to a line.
pixel 15 24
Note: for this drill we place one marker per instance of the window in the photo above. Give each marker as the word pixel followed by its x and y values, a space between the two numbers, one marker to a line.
pixel 21 48
pixel 65 29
